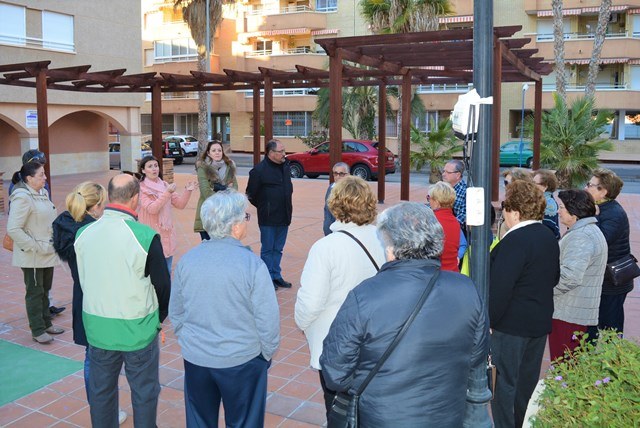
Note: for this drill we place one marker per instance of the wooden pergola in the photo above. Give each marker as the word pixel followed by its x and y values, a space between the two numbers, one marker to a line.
pixel 436 57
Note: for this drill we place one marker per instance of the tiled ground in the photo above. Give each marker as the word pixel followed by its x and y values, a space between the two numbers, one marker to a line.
pixel 295 397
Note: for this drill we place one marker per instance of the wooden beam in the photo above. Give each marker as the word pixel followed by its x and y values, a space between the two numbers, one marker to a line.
pixel 43 121
pixel 256 125
pixel 335 107
pixel 405 137
pixel 382 140
pixel 519 65
pixel 537 124
pixel 245 76
pixel 36 65
pixel 268 109
pixel 157 148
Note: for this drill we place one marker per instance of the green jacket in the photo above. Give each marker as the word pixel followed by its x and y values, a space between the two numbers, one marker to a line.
pixel 125 284
pixel 207 177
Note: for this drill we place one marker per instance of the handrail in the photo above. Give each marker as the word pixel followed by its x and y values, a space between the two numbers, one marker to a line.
pixel 445 87
pixel 580 88
pixel 260 11
pixel 548 37
pixel 37 42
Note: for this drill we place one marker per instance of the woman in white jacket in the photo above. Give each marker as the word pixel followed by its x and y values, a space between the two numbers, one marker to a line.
pixel 336 264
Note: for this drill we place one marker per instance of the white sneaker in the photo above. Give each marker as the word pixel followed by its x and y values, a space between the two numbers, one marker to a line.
pixel 122 416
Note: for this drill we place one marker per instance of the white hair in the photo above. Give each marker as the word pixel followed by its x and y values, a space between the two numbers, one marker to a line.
pixel 221 211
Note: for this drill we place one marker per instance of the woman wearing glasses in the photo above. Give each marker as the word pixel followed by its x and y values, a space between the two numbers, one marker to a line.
pixel 605 186
pixel 228 323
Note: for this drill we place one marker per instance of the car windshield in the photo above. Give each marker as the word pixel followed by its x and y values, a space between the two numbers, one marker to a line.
pixel 190 139
pixel 172 144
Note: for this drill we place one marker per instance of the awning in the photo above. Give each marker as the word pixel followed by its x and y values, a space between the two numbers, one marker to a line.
pixel 565 12
pixel 326 31
pixel 585 61
pixel 579 11
pixel 634 11
pixel 452 19
pixel 634 61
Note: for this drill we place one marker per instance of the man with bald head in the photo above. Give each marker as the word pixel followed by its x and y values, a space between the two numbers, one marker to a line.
pixel 126 287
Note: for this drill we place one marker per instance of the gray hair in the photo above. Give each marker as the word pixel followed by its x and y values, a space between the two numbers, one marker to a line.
pixel 412 231
pixel 458 165
pixel 342 165
pixel 221 211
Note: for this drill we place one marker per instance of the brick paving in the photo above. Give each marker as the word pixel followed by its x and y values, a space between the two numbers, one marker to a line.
pixel 294 394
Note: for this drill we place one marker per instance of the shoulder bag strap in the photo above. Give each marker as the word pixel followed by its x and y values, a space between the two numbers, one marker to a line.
pixel 401 333
pixel 362 246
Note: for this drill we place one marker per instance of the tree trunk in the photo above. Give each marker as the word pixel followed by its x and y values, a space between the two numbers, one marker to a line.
pixel 558 49
pixel 203 127
pixel 598 41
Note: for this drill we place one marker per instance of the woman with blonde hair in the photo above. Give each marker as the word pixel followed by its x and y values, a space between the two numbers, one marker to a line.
pixel 441 197
pixel 337 263
pixel 216 172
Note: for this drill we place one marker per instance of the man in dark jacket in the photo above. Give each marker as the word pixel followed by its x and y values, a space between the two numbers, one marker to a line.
pixel 269 189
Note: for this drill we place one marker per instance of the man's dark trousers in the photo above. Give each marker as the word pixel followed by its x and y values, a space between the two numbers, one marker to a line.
pixel 272 240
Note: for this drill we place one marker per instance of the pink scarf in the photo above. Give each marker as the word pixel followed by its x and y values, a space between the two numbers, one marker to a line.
pixel 155 189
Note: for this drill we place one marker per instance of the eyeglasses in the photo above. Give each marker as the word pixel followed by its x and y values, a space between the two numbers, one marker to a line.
pixel 247 216
pixel 449 172
pixel 428 198
pixel 506 182
pixel 590 185
pixel 340 174
pixel 282 152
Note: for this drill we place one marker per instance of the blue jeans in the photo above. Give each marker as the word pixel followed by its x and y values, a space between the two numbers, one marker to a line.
pixel 242 390
pixel 272 240
pixel 141 369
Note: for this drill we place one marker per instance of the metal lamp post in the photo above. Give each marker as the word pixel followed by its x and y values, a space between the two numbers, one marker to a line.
pixel 208 70
pixel 524 90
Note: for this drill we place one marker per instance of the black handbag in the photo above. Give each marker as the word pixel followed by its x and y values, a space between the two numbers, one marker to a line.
pixel 622 271
pixel 344 409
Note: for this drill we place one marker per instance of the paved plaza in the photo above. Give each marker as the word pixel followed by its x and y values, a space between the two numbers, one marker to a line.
pixel 294 394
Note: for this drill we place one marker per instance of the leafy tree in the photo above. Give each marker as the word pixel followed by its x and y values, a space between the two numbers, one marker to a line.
pixel 571 139
pixel 195 16
pixel 436 148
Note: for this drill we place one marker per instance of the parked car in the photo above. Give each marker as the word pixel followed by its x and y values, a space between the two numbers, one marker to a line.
pixel 173 150
pixel 510 154
pixel 114 153
pixel 360 155
pixel 188 143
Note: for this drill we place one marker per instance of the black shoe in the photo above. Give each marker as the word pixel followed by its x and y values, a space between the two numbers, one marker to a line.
pixel 275 284
pixel 56 311
pixel 282 283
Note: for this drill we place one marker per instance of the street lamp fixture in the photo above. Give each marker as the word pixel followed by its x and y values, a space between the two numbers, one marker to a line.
pixel 524 90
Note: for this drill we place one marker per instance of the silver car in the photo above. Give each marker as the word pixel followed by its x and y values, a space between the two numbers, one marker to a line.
pixel 114 154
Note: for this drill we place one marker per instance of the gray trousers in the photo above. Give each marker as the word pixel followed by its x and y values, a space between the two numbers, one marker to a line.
pixel 141 369
pixel 518 360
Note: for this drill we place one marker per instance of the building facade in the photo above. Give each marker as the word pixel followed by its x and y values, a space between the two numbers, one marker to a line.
pixel 282 33
pixel 70 33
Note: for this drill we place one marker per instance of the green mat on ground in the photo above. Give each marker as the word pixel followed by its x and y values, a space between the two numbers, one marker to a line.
pixel 24 370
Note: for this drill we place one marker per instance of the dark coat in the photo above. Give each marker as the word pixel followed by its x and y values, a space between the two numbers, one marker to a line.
pixel 525 267
pixel 424 381
pixel 269 189
pixel 614 224
pixel 328 217
pixel 64 236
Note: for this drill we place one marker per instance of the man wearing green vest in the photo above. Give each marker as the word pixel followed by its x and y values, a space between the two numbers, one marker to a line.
pixel 126 286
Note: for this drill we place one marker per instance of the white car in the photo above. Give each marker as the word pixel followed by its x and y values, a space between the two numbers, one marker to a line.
pixel 188 143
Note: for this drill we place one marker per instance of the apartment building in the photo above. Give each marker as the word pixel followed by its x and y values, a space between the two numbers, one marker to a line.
pixel 69 33
pixel 282 33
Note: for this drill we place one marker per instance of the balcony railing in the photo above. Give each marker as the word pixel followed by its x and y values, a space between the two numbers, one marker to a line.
pixel 292 51
pixel 285 92
pixel 260 11
pixel 583 36
pixel 175 58
pixel 35 42
pixel 549 87
pixel 444 87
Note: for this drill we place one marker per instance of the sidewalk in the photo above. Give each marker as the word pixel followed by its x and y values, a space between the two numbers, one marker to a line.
pixel 294 394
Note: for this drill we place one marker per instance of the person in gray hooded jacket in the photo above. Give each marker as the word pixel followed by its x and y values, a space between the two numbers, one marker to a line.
pixel 424 380
pixel 583 258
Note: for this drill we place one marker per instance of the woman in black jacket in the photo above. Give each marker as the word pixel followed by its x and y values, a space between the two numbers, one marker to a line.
pixel 424 380
pixel 605 186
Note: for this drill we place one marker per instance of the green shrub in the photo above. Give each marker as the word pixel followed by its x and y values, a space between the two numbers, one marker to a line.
pixel 595 386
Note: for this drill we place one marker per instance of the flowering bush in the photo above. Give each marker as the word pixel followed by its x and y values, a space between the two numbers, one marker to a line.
pixel 595 386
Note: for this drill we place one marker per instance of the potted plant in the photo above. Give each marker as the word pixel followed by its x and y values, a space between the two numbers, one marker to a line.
pixel 595 386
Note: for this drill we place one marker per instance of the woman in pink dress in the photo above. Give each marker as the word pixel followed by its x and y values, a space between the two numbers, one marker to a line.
pixel 156 198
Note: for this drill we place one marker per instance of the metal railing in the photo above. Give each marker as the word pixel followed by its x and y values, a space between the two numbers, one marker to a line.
pixel 179 95
pixel 580 36
pixel 175 58
pixel 35 42
pixel 285 92
pixel 445 87
pixel 292 51
pixel 260 11
pixel 580 88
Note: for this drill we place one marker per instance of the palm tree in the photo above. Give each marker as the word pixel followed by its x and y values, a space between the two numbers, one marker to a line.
pixel 598 41
pixel 436 148
pixel 571 139
pixel 194 14
pixel 403 16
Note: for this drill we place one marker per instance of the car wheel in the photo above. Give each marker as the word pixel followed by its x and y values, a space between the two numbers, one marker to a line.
pixel 313 175
pixel 530 163
pixel 361 171
pixel 177 161
pixel 296 170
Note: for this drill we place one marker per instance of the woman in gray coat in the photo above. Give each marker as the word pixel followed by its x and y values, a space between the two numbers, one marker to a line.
pixel 583 258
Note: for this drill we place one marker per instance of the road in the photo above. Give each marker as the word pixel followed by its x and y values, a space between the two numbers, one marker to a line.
pixel 630 173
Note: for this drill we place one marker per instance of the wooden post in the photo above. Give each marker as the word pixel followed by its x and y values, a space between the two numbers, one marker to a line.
pixel 496 110
pixel 406 137
pixel 537 124
pixel 382 140
pixel 256 125
pixel 156 124
pixel 43 121
pixel 268 109
pixel 335 106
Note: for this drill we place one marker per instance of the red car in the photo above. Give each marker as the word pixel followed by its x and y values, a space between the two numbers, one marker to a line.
pixel 360 155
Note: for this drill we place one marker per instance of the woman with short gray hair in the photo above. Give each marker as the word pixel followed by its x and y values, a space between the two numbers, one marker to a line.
pixel 226 318
pixel 424 380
